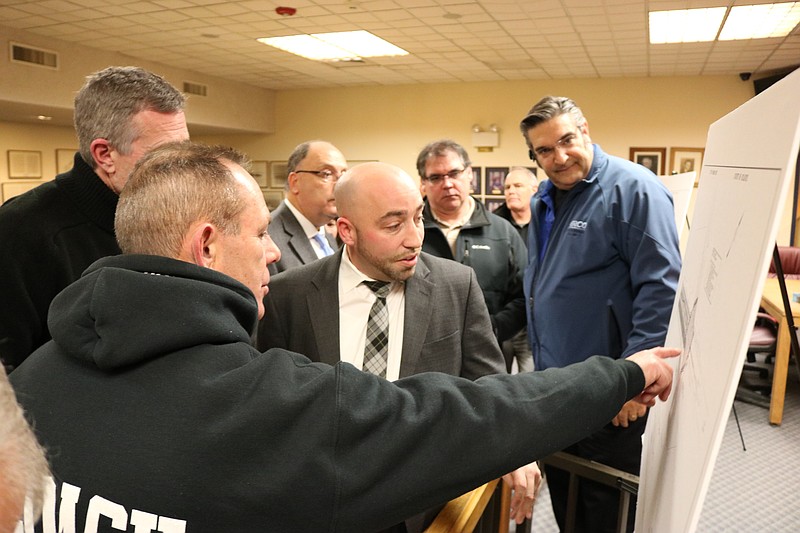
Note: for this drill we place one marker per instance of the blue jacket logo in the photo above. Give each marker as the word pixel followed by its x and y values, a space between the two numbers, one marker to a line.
pixel 578 225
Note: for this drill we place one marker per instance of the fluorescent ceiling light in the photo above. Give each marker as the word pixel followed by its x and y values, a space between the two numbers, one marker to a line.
pixel 685 25
pixel 761 21
pixel 346 45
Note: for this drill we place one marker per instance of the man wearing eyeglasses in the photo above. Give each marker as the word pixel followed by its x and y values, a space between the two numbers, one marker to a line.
pixel 602 272
pixel 298 223
pixel 460 228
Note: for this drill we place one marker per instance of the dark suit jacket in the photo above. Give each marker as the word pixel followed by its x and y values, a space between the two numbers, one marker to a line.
pixel 288 235
pixel 447 326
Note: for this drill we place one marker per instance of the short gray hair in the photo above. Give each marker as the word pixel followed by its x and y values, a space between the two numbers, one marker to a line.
pixel 172 187
pixel 109 99
pixel 547 108
pixel 526 170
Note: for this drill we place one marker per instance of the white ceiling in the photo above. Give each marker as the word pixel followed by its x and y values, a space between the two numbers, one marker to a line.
pixel 448 40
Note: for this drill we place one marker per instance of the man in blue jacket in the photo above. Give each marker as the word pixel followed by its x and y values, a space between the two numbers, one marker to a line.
pixel 603 265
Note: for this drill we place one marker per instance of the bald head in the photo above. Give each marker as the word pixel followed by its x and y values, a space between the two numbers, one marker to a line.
pixel 369 183
pixel 380 220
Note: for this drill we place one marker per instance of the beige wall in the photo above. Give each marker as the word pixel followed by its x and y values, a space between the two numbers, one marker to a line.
pixel 45 139
pixel 392 123
pixel 228 105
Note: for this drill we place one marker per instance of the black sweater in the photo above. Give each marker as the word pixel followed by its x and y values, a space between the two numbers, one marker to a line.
pixel 153 404
pixel 48 237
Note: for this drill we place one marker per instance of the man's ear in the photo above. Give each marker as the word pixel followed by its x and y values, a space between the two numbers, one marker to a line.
pixel 203 245
pixel 291 180
pixel 101 153
pixel 585 130
pixel 346 231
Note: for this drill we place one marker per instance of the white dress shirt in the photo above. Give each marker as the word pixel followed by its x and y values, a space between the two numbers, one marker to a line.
pixel 355 302
pixel 308 229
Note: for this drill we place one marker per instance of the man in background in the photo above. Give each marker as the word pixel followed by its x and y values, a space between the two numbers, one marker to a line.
pixel 437 318
pixel 298 223
pixel 460 228
pixel 602 273
pixel 162 416
pixel 519 186
pixel 23 468
pixel 50 234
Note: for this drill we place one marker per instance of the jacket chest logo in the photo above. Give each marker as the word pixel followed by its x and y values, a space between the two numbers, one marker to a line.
pixel 481 247
pixel 578 225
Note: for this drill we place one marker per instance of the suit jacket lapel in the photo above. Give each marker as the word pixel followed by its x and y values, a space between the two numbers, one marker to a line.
pixel 298 239
pixel 419 309
pixel 323 308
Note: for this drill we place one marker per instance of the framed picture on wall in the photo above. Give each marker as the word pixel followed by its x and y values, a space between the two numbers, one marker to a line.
pixel 685 160
pixel 493 203
pixel 278 172
pixel 493 181
pixel 24 164
pixel 653 159
pixel 475 183
pixel 258 169
pixel 64 159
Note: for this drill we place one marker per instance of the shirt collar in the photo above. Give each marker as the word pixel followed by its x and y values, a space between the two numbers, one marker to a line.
pixel 462 221
pixel 308 228
pixel 350 277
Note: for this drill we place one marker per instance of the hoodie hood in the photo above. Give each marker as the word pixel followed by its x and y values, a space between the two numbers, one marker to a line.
pixel 92 318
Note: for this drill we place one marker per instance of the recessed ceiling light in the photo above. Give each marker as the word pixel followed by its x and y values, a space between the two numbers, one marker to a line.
pixel 347 45
pixel 743 22
pixel 685 25
pixel 761 21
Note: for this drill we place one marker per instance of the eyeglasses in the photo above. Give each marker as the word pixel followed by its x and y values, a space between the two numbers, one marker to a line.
pixel 565 143
pixel 436 179
pixel 325 175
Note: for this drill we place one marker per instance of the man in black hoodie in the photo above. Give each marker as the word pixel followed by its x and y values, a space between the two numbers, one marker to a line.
pixel 158 414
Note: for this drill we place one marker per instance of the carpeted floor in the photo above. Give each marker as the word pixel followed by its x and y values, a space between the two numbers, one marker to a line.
pixel 751 491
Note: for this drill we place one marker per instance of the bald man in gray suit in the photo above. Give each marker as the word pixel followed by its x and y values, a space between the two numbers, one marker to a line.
pixel 321 309
pixel 298 223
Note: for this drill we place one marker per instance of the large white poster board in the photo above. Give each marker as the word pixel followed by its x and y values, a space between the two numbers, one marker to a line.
pixel 748 166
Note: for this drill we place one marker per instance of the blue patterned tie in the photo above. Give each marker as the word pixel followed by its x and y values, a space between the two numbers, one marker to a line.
pixel 376 349
pixel 323 243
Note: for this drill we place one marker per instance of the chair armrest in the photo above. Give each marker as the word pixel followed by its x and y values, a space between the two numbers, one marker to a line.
pixel 461 514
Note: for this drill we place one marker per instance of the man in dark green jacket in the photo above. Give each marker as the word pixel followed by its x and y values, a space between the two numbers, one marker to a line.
pixel 459 227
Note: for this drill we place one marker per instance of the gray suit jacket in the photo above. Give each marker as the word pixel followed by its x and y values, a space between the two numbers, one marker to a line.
pixel 288 235
pixel 447 326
